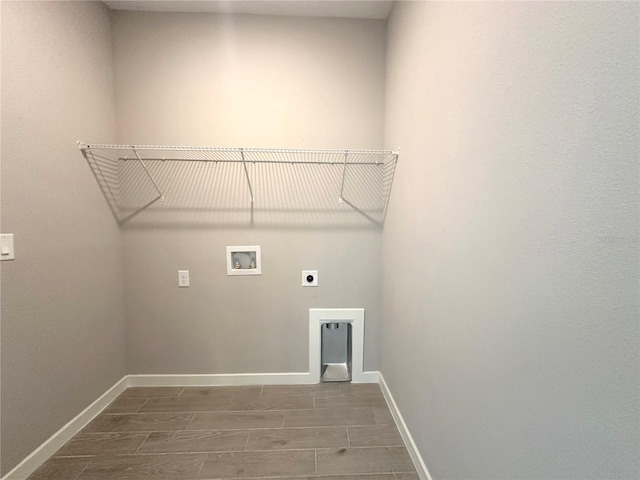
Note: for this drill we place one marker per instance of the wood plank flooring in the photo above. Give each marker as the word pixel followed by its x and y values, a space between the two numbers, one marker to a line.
pixel 329 431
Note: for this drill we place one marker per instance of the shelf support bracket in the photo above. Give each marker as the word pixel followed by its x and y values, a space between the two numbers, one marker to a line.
pixel 155 185
pixel 246 173
pixel 344 171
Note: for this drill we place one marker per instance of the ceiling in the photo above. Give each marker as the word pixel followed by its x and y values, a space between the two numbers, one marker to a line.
pixel 371 9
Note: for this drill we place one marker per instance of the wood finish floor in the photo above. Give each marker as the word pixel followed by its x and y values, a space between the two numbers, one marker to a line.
pixel 330 431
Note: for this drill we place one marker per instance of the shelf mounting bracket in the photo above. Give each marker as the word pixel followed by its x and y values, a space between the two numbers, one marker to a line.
pixel 344 171
pixel 155 185
pixel 246 173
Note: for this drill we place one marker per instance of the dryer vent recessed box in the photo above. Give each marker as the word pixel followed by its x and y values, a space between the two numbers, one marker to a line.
pixel 244 260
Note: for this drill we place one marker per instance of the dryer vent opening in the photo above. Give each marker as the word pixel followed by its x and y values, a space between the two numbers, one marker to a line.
pixel 336 352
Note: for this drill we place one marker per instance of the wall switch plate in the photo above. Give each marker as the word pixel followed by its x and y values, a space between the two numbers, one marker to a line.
pixel 183 278
pixel 6 247
pixel 309 278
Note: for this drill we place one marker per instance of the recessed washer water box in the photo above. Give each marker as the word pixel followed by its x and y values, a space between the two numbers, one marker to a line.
pixel 244 260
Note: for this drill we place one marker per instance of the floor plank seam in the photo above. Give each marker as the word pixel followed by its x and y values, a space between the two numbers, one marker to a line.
pixel 201 467
pixel 143 442
pixel 82 471
pixel 142 406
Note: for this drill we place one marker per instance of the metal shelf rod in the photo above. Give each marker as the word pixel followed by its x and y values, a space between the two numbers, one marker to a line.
pixel 288 162
pixel 84 146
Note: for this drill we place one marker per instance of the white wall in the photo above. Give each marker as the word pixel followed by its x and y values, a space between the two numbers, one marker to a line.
pixel 245 81
pixel 62 297
pixel 511 341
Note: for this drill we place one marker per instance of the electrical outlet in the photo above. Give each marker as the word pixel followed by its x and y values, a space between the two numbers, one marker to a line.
pixel 309 278
pixel 183 278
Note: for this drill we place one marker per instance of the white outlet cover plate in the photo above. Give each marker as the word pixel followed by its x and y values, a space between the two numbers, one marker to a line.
pixel 6 245
pixel 183 278
pixel 305 274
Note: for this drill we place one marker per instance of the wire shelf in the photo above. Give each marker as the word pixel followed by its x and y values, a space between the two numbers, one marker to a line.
pixel 342 185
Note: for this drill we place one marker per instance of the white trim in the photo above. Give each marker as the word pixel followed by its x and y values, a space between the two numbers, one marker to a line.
pixel 418 462
pixel 233 379
pixel 41 454
pixel 354 316
pixel 368 377
pixel 222 379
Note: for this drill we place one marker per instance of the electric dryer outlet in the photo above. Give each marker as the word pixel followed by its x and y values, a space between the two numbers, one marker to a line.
pixel 309 278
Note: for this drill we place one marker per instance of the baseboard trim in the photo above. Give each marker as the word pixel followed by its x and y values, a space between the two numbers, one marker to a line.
pixel 41 454
pixel 418 462
pixel 218 380
pixel 367 377
pixel 232 379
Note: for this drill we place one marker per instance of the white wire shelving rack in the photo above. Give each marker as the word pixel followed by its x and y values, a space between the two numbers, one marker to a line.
pixel 134 178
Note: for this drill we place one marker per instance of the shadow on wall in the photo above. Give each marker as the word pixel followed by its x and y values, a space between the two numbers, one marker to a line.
pixel 149 188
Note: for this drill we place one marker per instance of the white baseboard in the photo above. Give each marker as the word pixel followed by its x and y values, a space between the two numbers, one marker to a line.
pixel 222 379
pixel 367 377
pixel 418 462
pixel 232 379
pixel 31 463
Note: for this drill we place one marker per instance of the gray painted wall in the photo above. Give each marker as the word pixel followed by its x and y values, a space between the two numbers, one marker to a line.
pixel 250 81
pixel 510 337
pixel 62 298
pixel 510 254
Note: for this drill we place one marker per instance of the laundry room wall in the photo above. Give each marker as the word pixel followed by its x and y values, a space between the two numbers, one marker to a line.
pixel 245 81
pixel 62 298
pixel 511 248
